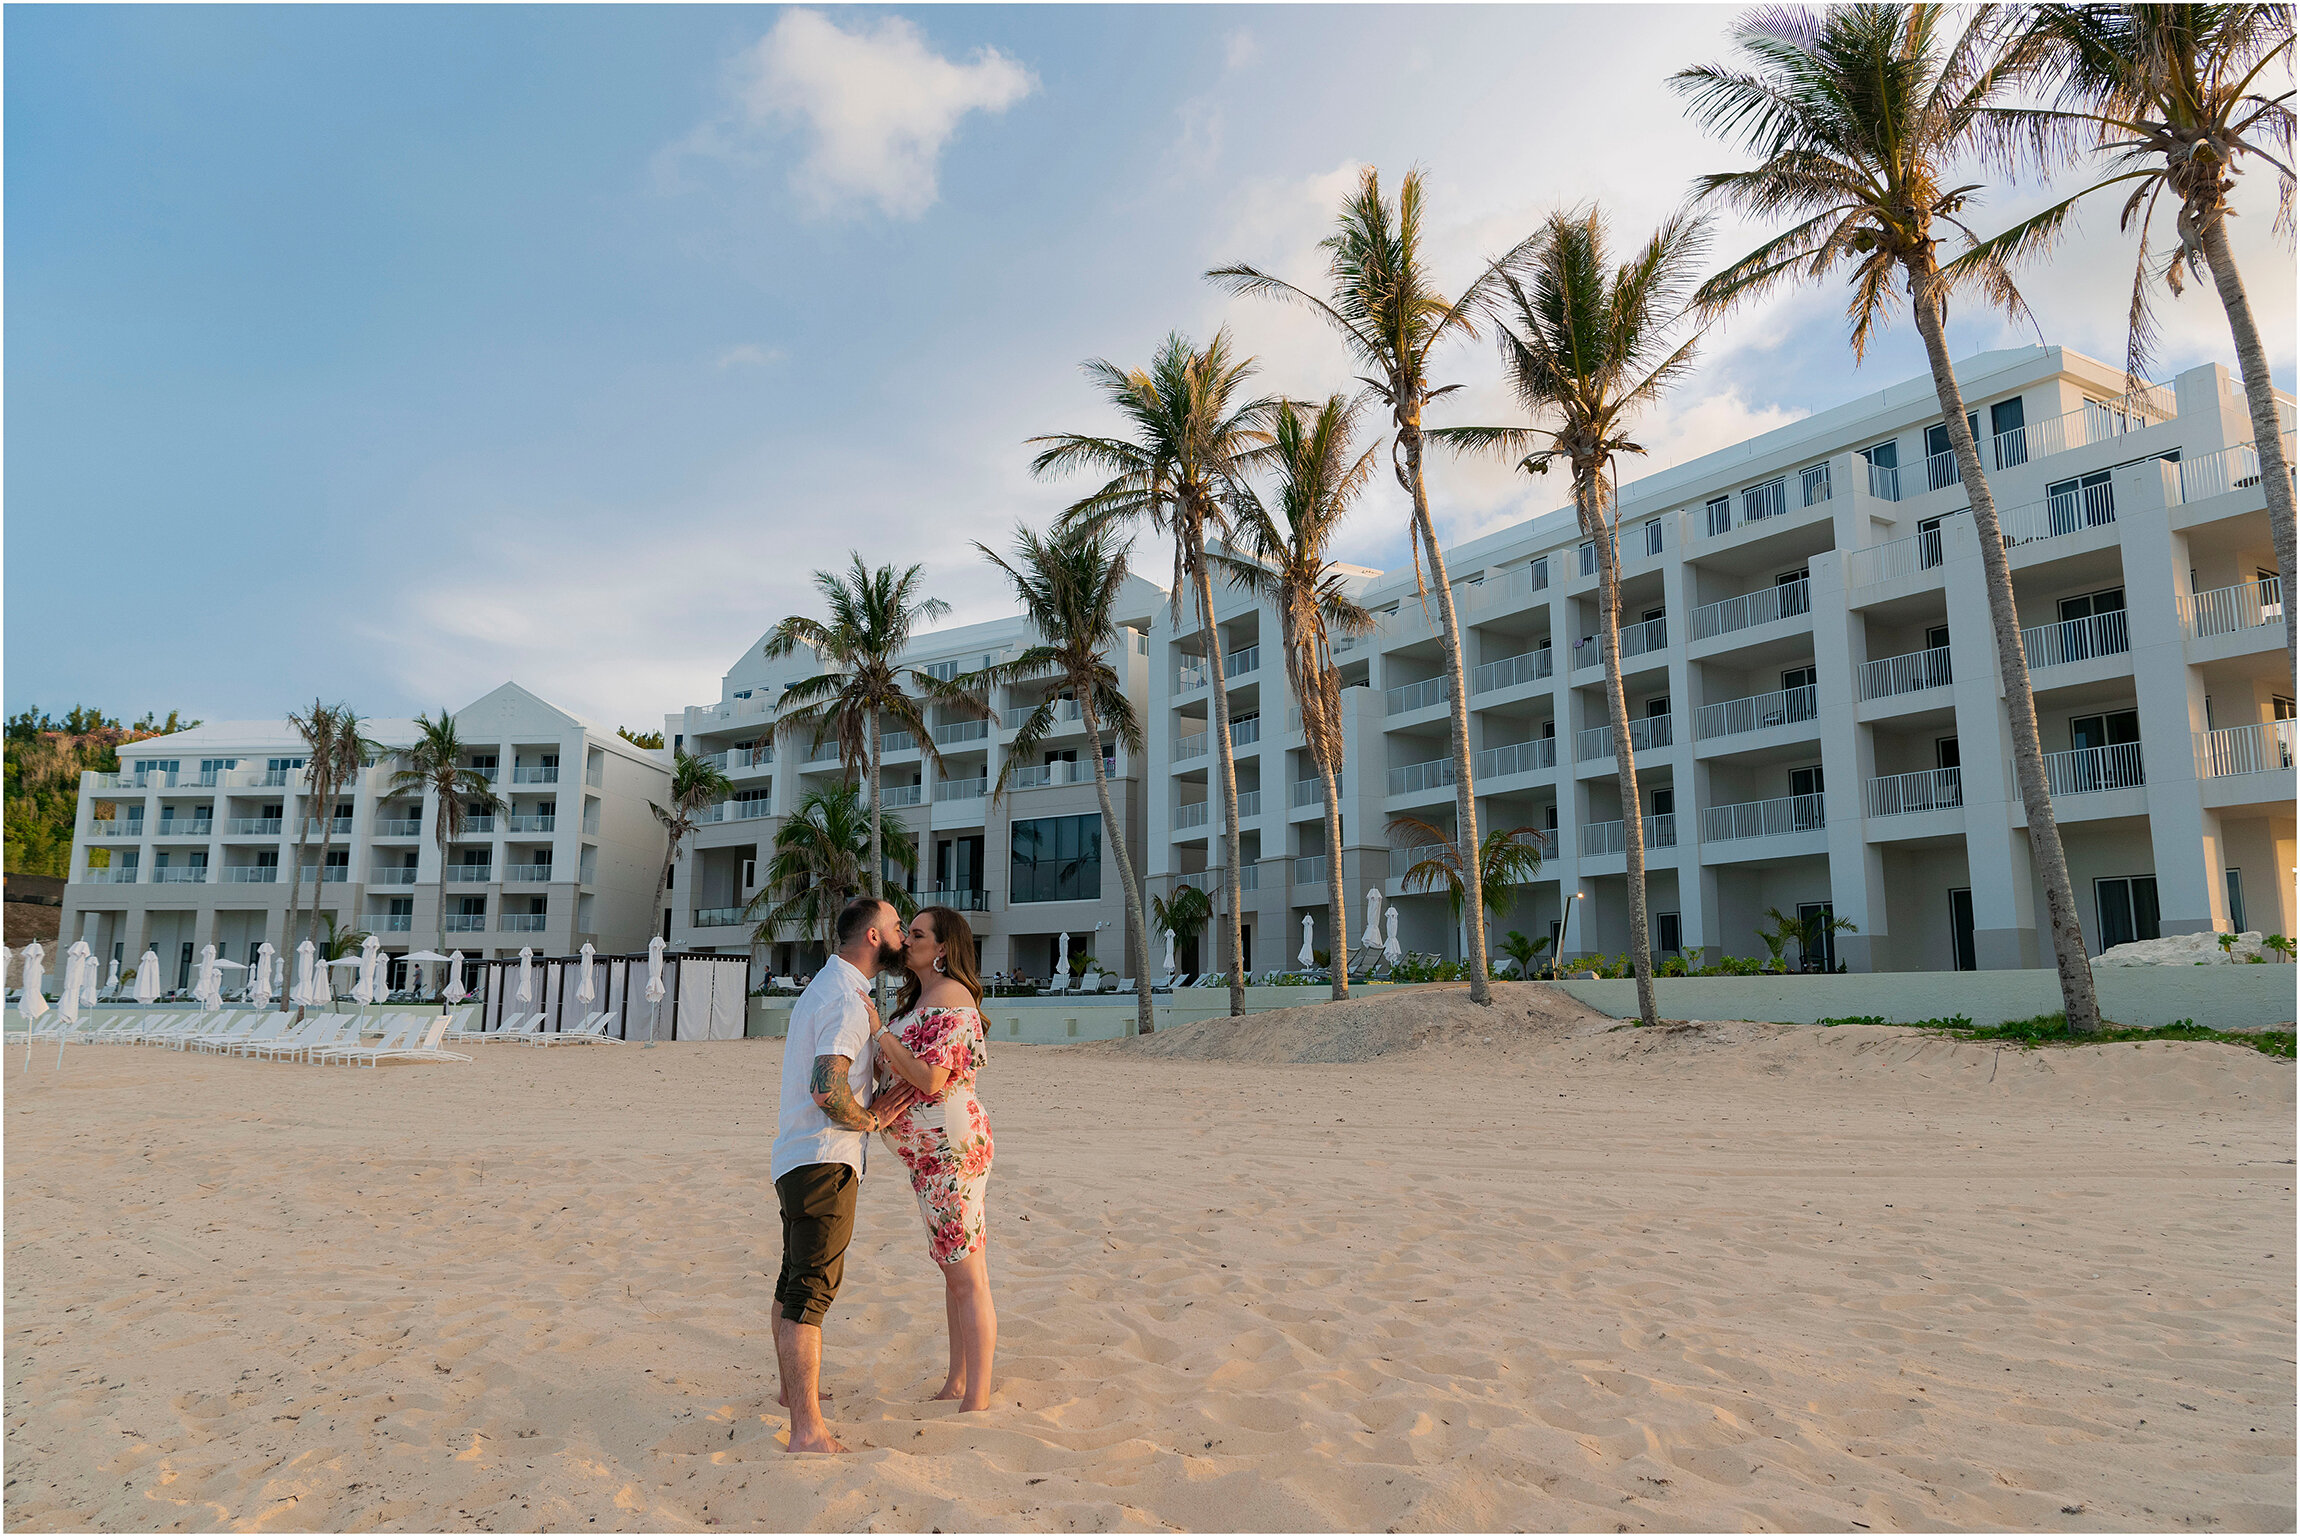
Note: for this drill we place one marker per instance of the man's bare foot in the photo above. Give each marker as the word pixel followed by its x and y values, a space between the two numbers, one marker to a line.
pixel 949 1390
pixel 782 1396
pixel 823 1442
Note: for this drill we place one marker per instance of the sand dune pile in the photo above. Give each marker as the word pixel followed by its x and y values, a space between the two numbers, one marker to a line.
pixel 1535 1273
pixel 1376 1022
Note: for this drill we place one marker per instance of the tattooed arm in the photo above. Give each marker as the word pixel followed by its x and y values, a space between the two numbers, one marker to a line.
pixel 837 1096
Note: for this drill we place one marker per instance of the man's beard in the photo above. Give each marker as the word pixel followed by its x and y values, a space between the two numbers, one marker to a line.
pixel 890 957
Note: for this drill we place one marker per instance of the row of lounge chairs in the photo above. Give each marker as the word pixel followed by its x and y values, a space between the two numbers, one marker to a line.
pixel 529 1030
pixel 274 1036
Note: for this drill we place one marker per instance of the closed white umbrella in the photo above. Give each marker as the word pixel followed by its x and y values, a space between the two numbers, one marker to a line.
pixel 526 973
pixel 1390 950
pixel 1062 956
pixel 111 979
pixel 364 988
pixel 1309 955
pixel 88 977
pixel 1169 952
pixel 584 991
pixel 261 993
pixel 453 992
pixel 655 989
pixel 31 1003
pixel 1372 937
pixel 306 992
pixel 148 977
pixel 208 988
pixel 75 971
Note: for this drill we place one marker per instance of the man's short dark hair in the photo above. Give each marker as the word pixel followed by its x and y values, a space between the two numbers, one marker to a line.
pixel 857 916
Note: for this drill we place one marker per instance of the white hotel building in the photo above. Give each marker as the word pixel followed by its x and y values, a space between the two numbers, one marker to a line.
pixel 192 843
pixel 1812 677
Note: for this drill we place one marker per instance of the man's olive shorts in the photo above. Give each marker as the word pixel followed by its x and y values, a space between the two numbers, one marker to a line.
pixel 818 1201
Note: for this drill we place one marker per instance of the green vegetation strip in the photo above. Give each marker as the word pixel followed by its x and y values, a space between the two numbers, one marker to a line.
pixel 2052 1030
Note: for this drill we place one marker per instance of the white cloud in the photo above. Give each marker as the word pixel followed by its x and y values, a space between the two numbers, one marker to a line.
pixel 1240 50
pixel 749 355
pixel 876 105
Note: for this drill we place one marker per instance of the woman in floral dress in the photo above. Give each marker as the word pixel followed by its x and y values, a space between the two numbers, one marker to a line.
pixel 934 1044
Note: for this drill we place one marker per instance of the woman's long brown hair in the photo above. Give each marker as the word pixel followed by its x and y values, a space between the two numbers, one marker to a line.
pixel 958 961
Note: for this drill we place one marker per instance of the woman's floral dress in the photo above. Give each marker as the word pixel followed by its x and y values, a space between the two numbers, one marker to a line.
pixel 945 1141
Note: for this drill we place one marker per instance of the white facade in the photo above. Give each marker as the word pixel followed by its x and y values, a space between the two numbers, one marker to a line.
pixel 192 843
pixel 967 845
pixel 1805 627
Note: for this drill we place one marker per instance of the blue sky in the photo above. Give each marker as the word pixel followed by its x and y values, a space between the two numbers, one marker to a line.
pixel 387 353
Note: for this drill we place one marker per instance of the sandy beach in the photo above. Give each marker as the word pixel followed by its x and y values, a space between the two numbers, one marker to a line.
pixel 1509 1269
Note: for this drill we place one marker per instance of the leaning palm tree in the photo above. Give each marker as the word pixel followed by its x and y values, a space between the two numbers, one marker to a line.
pixel 695 783
pixel 1286 564
pixel 2171 96
pixel 434 764
pixel 1388 311
pixel 818 865
pixel 873 617
pixel 316 726
pixel 1857 114
pixel 1192 439
pixel 1507 859
pixel 336 760
pixel 1587 347
pixel 1070 583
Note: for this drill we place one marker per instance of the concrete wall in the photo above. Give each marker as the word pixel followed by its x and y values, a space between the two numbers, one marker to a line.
pixel 2224 997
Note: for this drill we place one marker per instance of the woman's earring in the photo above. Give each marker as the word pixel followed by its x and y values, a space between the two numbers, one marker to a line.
pixel 938 963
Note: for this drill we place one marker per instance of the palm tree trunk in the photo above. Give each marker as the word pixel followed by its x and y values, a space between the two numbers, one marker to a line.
pixel 663 877
pixel 319 882
pixel 1337 899
pixel 1589 495
pixel 1227 767
pixel 2076 989
pixel 875 882
pixel 2260 396
pixel 1137 932
pixel 295 901
pixel 1457 696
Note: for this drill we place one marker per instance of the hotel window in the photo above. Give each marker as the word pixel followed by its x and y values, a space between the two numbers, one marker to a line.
pixel 1653 537
pixel 1768 500
pixel 2236 900
pixel 1541 573
pixel 1720 513
pixel 2008 428
pixel 1056 859
pixel 1588 554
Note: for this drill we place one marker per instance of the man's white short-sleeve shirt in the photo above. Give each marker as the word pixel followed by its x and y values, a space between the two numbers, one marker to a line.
pixel 830 1019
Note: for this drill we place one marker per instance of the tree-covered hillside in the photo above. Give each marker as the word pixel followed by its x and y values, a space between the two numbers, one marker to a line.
pixel 45 758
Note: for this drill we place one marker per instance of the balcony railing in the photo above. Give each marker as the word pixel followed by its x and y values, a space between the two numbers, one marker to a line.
pixel 1403 860
pixel 1510 671
pixel 1598 838
pixel 533 824
pixel 251 875
pixel 1942 470
pixel 180 875
pixel 2090 770
pixel 1506 589
pixel 317 827
pixel 1758 712
pixel 186 827
pixel 1249 805
pixel 111 875
pixel 119 827
pixel 962 789
pixel 1763 819
pixel 1305 792
pixel 522 923
pixel 904 795
pixel 392 875
pixel 2226 610
pixel 1636 640
pixel 1414 778
pixel 253 827
pixel 963 899
pixel 1518 758
pixel 957 731
pixel 2091 422
pixel 334 875
pixel 388 923
pixel 471 874
pixel 1645 734
pixel 718 917
pixel 1885 482
pixel 2068 512
pixel 1309 870
pixel 1236 664
pixel 1066 712
pixel 1191 746
pixel 746 810
pixel 535 774
pixel 466 923
pixel 478 826
pixel 399 827
pixel 528 875
pixel 740 760
pixel 1193 814
pixel 2076 640
pixel 1921 551
pixel 1190 675
pixel 1928 790
pixel 2262 747
pixel 1036 776
pixel 1245 733
pixel 1414 696
pixel 1781 601
pixel 1908 673
pixel 2231 469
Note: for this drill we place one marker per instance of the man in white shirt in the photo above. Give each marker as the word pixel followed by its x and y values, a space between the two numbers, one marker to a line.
pixel 822 1133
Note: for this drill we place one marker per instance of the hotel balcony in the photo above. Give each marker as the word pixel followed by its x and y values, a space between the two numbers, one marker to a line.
pixel 1645 734
pixel 466 923
pixel 2076 640
pixel 180 875
pixel 2094 770
pixel 535 774
pixel 2230 610
pixel 1893 795
pixel 1763 819
pixel 251 875
pixel 253 827
pixel 112 875
pixel 1636 640
pixel 527 875
pixel 388 923
pixel 1517 758
pixel 961 789
pixel 965 901
pixel 1909 673
pixel 719 917
pixel 958 731
pixel 1408 697
pixel 1600 838
pixel 2263 747
pixel 470 875
pixel 399 827
pixel 1758 712
pixel 1510 671
pixel 1419 778
pixel 532 824
pixel 393 875
pixel 1786 600
pixel 184 827
pixel 735 811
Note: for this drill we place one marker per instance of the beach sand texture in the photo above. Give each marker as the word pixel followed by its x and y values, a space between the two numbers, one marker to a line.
pixel 1533 1272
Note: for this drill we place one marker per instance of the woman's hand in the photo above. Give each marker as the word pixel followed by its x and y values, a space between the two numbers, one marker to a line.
pixel 870 1007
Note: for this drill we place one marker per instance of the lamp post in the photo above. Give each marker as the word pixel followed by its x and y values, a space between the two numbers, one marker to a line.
pixel 1557 956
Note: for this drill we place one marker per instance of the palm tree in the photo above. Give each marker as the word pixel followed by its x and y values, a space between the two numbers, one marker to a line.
pixel 1286 565
pixel 818 865
pixel 1587 347
pixel 2168 93
pixel 695 783
pixel 1185 914
pixel 1857 114
pixel 1508 858
pixel 873 615
pixel 1389 314
pixel 435 765
pixel 335 760
pixel 1070 582
pixel 1192 442
pixel 317 728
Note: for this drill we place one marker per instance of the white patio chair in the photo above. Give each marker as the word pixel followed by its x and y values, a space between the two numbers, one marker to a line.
pixel 397 1034
pixel 593 1028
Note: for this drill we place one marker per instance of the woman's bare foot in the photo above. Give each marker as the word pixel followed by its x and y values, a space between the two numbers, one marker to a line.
pixel 821 1442
pixel 949 1390
pixel 973 1402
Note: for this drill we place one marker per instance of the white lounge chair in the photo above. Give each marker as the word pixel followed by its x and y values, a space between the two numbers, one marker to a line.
pixel 593 1028
pixel 396 1034
pixel 1125 985
pixel 317 1030
pixel 273 1024
pixel 425 1048
pixel 519 1027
